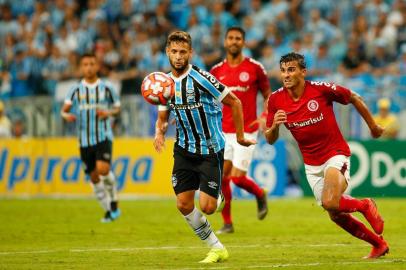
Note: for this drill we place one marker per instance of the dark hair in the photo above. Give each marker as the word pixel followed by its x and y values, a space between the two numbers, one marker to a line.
pixel 179 36
pixel 88 54
pixel 236 28
pixel 293 57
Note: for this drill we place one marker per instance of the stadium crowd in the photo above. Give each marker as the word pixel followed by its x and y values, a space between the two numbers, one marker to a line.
pixel 361 42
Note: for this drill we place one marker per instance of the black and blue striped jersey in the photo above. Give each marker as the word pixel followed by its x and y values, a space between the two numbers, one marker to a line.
pixel 197 110
pixel 87 98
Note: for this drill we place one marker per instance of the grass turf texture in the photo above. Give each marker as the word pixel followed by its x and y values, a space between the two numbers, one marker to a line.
pixel 151 234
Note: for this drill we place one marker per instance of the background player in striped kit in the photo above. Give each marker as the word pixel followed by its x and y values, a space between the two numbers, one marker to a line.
pixel 199 147
pixel 245 77
pixel 92 98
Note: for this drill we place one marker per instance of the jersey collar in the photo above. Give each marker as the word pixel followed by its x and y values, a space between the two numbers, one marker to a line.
pixel 90 85
pixel 178 79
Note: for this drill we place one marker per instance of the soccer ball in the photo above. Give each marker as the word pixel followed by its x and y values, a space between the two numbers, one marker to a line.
pixel 157 88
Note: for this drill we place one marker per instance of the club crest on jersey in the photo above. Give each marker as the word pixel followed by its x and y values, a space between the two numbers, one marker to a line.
pixel 190 94
pixel 244 76
pixel 312 105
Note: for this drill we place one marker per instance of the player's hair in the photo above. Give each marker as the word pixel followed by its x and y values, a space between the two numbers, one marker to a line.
pixel 88 54
pixel 236 28
pixel 179 36
pixel 293 57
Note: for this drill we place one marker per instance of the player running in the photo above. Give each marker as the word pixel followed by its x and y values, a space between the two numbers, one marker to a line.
pixel 92 97
pixel 199 148
pixel 244 77
pixel 306 109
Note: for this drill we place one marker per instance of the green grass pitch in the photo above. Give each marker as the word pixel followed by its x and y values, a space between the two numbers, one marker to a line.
pixel 151 234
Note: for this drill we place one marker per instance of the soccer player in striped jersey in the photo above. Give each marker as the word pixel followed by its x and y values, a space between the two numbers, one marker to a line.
pixel 96 101
pixel 245 77
pixel 199 147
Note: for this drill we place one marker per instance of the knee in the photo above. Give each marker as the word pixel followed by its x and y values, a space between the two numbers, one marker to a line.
pixel 208 209
pixel 184 207
pixel 330 205
pixel 103 170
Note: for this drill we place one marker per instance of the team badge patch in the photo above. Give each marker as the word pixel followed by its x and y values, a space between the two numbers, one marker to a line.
pixel 312 105
pixel 244 76
pixel 174 180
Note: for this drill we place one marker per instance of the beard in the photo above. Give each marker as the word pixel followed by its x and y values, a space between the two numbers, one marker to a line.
pixel 234 51
pixel 179 69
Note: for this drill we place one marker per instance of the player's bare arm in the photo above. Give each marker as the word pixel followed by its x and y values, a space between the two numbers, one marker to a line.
pixel 272 133
pixel 161 127
pixel 261 120
pixel 359 104
pixel 65 113
pixel 236 110
pixel 103 114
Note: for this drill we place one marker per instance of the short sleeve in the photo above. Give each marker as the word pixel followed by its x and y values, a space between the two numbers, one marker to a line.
pixel 210 83
pixel 114 98
pixel 336 93
pixel 71 95
pixel 263 80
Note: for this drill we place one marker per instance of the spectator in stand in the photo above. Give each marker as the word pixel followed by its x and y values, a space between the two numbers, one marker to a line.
pixel 354 62
pixel 55 69
pixel 323 64
pixel 127 73
pixel 5 124
pixel 20 70
pixel 380 60
pixel 399 67
pixel 18 128
pixel 387 120
pixel 321 28
pixel 212 47
pixel 198 31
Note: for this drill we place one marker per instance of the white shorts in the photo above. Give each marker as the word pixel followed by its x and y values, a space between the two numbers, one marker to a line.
pixel 315 174
pixel 239 155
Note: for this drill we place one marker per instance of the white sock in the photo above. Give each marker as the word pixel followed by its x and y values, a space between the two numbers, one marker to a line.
pixel 101 195
pixel 201 227
pixel 110 185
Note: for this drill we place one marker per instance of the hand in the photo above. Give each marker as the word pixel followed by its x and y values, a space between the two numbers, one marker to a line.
pixel 69 117
pixel 246 142
pixel 377 131
pixel 159 143
pixel 102 114
pixel 260 121
pixel 279 117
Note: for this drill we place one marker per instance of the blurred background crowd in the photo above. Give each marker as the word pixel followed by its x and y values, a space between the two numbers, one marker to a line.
pixel 358 43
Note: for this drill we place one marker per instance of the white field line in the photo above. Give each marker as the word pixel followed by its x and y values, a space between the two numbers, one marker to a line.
pixel 282 265
pixel 127 249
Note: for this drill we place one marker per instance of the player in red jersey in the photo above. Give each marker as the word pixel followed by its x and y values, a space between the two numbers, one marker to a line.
pixel 306 109
pixel 245 77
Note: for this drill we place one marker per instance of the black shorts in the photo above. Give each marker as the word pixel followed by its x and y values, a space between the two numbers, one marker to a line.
pixel 100 151
pixel 193 172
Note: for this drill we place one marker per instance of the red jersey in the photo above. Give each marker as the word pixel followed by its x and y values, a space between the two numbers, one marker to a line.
pixel 244 81
pixel 311 120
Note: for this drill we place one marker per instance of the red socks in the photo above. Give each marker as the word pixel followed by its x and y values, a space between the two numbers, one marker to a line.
pixel 226 189
pixel 249 185
pixel 243 182
pixel 355 227
pixel 349 204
